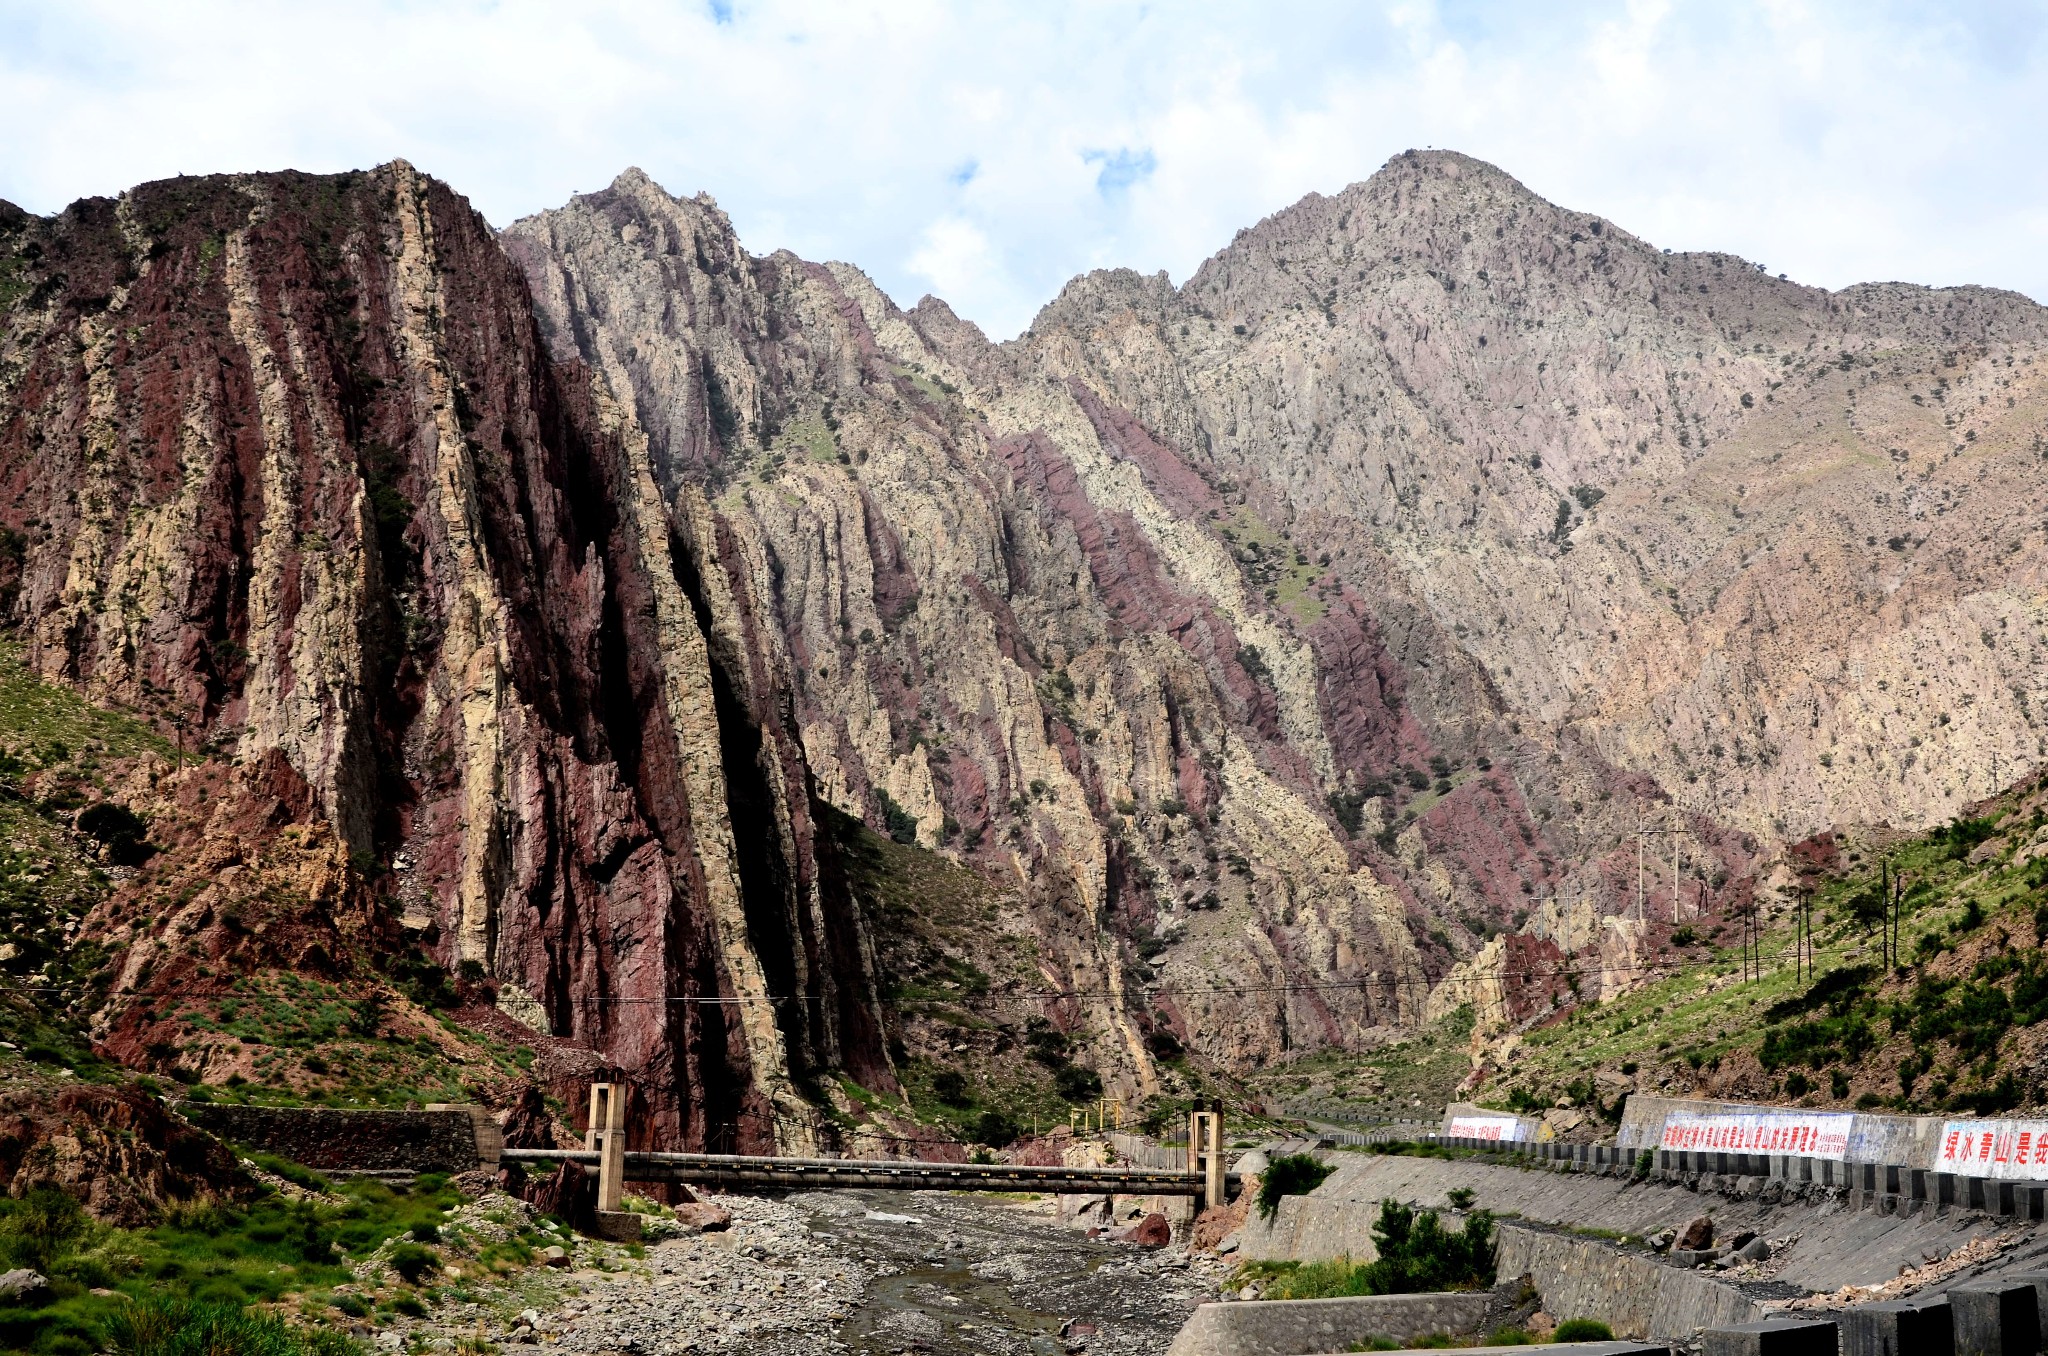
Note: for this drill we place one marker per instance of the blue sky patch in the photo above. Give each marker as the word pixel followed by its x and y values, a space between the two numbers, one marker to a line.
pixel 1120 168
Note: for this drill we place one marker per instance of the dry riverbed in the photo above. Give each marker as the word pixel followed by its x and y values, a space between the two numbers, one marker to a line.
pixel 863 1273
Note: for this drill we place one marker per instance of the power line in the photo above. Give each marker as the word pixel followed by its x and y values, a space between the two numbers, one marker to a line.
pixel 1388 979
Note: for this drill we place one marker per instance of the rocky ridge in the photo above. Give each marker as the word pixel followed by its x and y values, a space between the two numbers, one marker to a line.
pixel 1295 653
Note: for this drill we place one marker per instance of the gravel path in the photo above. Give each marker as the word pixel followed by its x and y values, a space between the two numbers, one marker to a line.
pixel 876 1274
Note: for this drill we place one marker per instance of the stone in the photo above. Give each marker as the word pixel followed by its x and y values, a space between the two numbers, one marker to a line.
pixel 1995 1318
pixel 616 1226
pixel 703 1217
pixel 1150 1232
pixel 1904 1327
pixel 1772 1337
pixel 22 1286
pixel 555 1255
pixel 1755 1250
pixel 1696 1236
pixel 2039 1280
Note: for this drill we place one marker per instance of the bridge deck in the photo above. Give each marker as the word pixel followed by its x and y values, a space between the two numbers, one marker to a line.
pixel 813 1174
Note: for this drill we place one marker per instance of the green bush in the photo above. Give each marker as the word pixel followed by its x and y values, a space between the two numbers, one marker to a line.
pixel 1077 1083
pixel 1583 1330
pixel 41 1228
pixel 296 1173
pixel 997 1129
pixel 412 1262
pixel 1417 1255
pixel 1289 1175
pixel 169 1326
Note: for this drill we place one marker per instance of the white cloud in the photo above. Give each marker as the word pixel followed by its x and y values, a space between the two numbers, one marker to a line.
pixel 1830 139
pixel 954 258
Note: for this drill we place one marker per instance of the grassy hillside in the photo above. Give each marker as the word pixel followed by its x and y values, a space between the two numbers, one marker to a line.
pixel 1954 1024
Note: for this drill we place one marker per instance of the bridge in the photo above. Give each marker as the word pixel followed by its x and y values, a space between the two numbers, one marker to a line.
pixel 1207 1177
pixel 744 1172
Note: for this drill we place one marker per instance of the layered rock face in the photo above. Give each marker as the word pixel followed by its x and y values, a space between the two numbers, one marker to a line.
pixel 1420 570
pixel 1345 636
pixel 287 465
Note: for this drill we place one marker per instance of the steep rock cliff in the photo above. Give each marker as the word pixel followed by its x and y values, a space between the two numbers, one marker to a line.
pixel 1347 636
pixel 286 466
pixel 1435 562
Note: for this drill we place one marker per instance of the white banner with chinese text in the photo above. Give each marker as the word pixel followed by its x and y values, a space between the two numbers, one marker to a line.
pixel 1487 1127
pixel 1994 1149
pixel 1808 1134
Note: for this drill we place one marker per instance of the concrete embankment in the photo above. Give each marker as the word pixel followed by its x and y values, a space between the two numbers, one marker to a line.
pixel 1294 1327
pixel 1826 1245
pixel 1634 1294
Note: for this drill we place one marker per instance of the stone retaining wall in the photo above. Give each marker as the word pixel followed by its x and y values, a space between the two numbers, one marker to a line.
pixel 1298 1327
pixel 1636 1296
pixel 442 1139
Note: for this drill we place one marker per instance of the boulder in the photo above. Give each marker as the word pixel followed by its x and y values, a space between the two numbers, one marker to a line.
pixel 1150 1232
pixel 22 1286
pixel 703 1217
pixel 1696 1236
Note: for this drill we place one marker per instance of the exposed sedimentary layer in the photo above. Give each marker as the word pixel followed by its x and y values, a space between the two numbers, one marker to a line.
pixel 1345 636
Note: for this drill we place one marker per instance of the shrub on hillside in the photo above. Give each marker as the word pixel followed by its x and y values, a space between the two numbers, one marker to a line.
pixel 1289 1175
pixel 1418 1254
pixel 1582 1330
pixel 166 1326
pixel 1077 1083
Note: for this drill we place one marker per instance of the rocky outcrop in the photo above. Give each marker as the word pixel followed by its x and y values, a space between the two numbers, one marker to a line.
pixel 120 1154
pixel 1349 635
pixel 288 466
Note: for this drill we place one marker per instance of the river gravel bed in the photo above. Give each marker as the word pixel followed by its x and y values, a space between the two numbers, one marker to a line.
pixel 861 1273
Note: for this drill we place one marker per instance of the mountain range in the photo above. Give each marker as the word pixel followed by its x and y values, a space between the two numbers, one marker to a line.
pixel 694 663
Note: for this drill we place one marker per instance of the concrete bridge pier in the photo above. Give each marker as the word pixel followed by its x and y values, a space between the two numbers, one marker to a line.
pixel 1206 1153
pixel 606 1136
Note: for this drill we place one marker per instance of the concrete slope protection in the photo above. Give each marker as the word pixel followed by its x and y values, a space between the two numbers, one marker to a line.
pixel 1824 1248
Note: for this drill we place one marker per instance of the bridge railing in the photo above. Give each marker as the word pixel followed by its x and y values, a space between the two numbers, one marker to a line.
pixel 1205 1175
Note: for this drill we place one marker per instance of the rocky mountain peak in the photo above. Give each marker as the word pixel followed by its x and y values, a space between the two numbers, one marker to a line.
pixel 1263 665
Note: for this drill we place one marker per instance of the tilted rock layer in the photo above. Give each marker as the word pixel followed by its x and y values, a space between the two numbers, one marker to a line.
pixel 285 460
pixel 1432 565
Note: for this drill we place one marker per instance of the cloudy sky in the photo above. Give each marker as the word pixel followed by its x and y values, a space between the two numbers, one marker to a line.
pixel 987 152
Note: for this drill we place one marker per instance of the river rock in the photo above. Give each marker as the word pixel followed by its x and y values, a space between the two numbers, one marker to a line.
pixel 703 1217
pixel 1085 1212
pixel 1150 1232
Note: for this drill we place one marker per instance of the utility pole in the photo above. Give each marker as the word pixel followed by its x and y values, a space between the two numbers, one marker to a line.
pixel 1887 946
pixel 1639 863
pixel 1674 874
